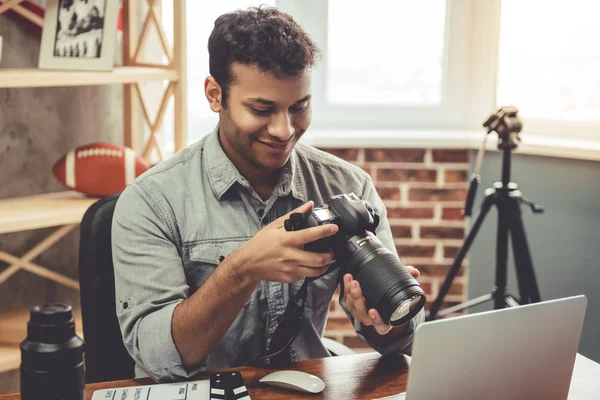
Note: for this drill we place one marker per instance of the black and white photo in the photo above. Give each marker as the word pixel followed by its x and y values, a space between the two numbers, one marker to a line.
pixel 79 34
pixel 79 28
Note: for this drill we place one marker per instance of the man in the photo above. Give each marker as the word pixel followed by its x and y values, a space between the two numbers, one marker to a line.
pixel 204 268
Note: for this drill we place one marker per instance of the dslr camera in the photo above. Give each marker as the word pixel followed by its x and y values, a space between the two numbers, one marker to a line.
pixel 386 284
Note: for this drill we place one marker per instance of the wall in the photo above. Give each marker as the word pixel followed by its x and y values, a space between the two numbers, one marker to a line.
pixel 37 126
pixel 563 241
pixel 424 191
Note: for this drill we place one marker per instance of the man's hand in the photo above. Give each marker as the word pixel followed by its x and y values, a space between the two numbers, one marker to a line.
pixel 357 306
pixel 277 255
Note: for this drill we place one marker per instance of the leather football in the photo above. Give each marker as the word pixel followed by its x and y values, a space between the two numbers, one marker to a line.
pixel 99 169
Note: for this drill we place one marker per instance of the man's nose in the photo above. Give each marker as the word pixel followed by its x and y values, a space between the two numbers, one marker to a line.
pixel 281 127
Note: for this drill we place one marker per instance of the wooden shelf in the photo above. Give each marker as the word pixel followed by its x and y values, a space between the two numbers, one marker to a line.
pixel 31 77
pixel 42 211
pixel 14 331
pixel 10 358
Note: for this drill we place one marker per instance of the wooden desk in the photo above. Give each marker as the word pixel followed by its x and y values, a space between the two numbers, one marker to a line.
pixel 360 376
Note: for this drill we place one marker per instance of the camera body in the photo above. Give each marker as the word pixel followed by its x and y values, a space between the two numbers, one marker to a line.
pixel 352 215
pixel 386 284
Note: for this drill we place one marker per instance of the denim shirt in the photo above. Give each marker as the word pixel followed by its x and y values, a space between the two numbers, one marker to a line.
pixel 174 225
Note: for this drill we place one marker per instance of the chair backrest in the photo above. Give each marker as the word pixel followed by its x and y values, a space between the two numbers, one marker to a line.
pixel 106 357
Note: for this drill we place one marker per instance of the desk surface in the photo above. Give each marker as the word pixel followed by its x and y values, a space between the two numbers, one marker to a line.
pixel 360 376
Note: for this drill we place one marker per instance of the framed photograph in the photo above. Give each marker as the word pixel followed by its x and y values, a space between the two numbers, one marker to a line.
pixel 79 34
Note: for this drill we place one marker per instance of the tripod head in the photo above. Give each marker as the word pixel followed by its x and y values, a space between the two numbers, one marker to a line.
pixel 507 124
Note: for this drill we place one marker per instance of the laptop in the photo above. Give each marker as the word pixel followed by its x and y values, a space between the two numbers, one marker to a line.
pixel 526 352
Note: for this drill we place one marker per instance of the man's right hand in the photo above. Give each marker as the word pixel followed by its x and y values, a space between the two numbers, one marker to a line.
pixel 277 255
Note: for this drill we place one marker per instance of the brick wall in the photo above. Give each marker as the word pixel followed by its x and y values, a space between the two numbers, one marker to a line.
pixel 424 191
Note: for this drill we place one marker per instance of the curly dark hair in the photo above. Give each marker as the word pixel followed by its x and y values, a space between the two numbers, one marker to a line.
pixel 261 36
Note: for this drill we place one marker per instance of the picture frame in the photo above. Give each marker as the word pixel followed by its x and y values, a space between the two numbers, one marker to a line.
pixel 79 35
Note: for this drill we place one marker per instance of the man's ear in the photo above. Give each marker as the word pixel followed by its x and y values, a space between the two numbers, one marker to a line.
pixel 213 93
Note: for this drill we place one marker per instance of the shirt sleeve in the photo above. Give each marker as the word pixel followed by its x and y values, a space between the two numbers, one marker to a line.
pixel 384 233
pixel 149 282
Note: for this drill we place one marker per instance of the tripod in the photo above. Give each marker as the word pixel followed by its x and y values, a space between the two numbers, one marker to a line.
pixel 507 199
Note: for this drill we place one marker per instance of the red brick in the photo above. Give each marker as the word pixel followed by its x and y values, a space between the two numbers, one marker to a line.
pixel 440 270
pixel 450 251
pixel 437 194
pixel 441 232
pixel 395 155
pixel 339 323
pixel 387 193
pixel 427 287
pixel 401 231
pixel 457 288
pixel 355 342
pixel 451 156
pixel 344 153
pixel 451 176
pixel 410 212
pixel 452 213
pixel 415 251
pixel 406 175
pixel 368 170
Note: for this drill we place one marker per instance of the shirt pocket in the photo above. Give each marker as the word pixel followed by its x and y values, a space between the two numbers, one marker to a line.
pixel 204 257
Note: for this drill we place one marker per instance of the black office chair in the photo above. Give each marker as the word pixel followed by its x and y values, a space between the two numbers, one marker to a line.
pixel 106 358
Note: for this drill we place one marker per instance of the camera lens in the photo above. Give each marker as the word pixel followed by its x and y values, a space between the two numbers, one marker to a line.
pixel 52 365
pixel 386 283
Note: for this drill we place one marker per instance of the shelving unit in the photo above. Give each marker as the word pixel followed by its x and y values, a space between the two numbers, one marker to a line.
pixel 64 210
pixel 23 78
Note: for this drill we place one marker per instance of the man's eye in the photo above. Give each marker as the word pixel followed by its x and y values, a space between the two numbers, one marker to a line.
pixel 298 109
pixel 259 111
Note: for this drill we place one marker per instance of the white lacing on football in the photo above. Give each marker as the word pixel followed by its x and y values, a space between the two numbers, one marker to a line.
pixel 99 152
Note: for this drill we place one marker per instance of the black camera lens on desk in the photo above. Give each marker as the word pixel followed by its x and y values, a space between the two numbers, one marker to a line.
pixel 386 284
pixel 52 356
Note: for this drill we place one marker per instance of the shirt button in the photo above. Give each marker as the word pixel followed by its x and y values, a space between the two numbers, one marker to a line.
pixel 260 212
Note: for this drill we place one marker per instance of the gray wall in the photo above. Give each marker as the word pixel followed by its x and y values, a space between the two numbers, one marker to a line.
pixel 38 126
pixel 564 241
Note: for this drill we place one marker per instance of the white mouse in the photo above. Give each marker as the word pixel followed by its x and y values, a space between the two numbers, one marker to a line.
pixel 295 380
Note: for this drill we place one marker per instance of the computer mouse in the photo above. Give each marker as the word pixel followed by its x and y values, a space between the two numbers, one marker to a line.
pixel 295 380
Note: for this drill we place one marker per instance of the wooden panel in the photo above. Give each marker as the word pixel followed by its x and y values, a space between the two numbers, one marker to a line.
pixel 364 376
pixel 30 77
pixel 180 64
pixel 42 211
pixel 10 358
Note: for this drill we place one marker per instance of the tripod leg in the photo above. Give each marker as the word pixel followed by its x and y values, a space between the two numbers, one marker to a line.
pixel 523 262
pixel 501 251
pixel 522 279
pixel 485 208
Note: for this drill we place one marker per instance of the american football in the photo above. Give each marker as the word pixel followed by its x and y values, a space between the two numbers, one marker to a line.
pixel 99 169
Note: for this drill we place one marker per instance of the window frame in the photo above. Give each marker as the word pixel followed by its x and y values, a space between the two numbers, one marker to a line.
pixel 471 54
pixel 449 114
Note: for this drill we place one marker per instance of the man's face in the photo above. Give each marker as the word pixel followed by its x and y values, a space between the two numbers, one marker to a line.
pixel 265 117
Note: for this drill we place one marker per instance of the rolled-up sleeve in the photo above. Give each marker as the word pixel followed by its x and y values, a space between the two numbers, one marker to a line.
pixel 384 233
pixel 149 282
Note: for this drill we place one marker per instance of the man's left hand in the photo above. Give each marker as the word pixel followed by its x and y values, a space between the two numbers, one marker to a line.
pixel 357 306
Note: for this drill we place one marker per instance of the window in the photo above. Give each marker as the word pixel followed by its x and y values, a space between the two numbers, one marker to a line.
pixel 374 63
pixel 549 61
pixel 440 65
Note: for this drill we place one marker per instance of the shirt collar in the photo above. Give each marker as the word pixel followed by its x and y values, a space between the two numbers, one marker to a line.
pixel 222 173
